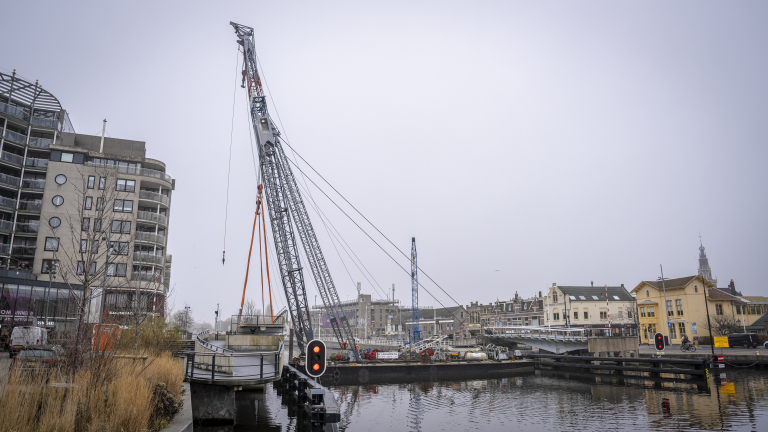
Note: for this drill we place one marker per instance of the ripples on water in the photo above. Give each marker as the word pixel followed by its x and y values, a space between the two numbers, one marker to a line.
pixel 538 402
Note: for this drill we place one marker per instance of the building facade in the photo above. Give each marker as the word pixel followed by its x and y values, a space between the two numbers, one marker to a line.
pixel 601 311
pixel 77 208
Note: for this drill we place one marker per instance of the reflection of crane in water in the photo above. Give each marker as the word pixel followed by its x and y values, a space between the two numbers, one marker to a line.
pixel 354 398
pixel 414 409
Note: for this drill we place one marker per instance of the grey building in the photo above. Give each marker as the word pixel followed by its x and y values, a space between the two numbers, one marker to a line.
pixel 71 204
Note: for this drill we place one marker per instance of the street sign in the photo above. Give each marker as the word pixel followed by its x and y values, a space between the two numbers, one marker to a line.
pixel 721 341
pixel 387 355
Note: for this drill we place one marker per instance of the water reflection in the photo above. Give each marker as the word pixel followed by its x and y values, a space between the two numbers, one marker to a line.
pixel 541 401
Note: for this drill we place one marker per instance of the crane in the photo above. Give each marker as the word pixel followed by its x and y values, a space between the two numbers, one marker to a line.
pixel 415 294
pixel 286 210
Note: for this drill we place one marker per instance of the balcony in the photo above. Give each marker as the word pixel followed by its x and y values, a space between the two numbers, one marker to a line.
pixel 150 237
pixel 168 259
pixel 15 137
pixel 144 172
pixel 12 110
pixel 154 196
pixel 8 203
pixel 152 217
pixel 10 180
pixel 148 257
pixel 36 163
pixel 32 206
pixel 6 226
pixel 5 249
pixel 12 158
pixel 33 184
pixel 40 142
pixel 146 277
pixel 28 227
pixel 24 250
pixel 44 122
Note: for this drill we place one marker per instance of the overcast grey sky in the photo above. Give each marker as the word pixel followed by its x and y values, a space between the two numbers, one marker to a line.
pixel 561 142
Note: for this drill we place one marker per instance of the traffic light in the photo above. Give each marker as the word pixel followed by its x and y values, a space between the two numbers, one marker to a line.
pixel 315 358
pixel 658 340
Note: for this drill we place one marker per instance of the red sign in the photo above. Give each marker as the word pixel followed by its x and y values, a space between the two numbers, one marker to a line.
pixel 720 359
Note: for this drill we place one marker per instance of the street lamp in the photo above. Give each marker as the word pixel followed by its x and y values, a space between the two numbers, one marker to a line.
pixel 666 312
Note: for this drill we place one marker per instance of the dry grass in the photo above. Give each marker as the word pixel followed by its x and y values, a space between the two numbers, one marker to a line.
pixel 110 395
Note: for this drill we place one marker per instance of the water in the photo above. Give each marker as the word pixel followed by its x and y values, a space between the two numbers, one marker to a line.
pixel 541 401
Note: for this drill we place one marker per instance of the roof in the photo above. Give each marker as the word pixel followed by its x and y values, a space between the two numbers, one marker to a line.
pixel 756 299
pixel 761 322
pixel 590 292
pixel 719 295
pixel 27 93
pixel 672 283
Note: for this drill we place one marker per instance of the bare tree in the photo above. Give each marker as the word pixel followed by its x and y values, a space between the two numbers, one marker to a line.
pixel 723 325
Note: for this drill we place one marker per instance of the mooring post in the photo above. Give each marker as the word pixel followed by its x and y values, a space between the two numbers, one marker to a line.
pixel 213 367
pixel 290 347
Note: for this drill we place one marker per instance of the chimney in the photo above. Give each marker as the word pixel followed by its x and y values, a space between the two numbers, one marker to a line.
pixel 103 129
pixel 593 284
pixel 515 295
pixel 539 294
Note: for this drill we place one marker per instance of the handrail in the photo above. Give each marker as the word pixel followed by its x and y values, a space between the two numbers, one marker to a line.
pixel 154 196
pixel 152 217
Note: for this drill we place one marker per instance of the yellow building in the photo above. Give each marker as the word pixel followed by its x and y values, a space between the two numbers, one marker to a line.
pixel 684 306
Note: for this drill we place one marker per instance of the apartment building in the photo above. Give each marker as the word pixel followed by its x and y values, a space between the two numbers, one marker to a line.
pixel 73 205
pixel 599 310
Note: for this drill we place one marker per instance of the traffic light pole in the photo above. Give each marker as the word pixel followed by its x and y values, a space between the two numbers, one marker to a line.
pixel 666 312
pixel 709 323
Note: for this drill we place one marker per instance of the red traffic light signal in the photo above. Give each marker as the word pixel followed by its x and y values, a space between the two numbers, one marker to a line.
pixel 315 358
pixel 658 340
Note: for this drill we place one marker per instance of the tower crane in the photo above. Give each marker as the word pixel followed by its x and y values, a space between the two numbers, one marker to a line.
pixel 286 210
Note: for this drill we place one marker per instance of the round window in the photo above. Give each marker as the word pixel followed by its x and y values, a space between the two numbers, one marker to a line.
pixel 61 179
pixel 55 222
pixel 58 200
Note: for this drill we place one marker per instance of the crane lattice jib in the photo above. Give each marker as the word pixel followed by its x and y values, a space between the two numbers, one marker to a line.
pixel 284 202
pixel 415 293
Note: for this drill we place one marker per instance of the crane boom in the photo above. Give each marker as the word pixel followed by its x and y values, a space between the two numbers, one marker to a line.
pixel 286 209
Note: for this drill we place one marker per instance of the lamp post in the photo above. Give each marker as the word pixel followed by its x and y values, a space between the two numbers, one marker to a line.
pixel 709 323
pixel 666 312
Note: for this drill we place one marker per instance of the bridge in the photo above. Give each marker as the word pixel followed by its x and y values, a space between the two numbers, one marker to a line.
pixel 557 340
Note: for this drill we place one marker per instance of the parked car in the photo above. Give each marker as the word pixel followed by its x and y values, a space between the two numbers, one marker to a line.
pixel 36 358
pixel 24 336
pixel 745 340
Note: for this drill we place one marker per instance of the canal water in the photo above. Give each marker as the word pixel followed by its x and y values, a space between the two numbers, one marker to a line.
pixel 541 401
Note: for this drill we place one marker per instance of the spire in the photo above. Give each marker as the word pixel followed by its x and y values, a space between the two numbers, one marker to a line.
pixel 704 270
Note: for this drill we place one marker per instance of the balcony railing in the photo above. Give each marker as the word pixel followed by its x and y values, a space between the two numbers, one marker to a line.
pixel 146 277
pixel 148 257
pixel 7 202
pixel 12 158
pixel 27 227
pixel 12 110
pixel 154 196
pixel 145 172
pixel 33 184
pixel 5 249
pixel 45 122
pixel 36 163
pixel 150 237
pixel 15 137
pixel 35 205
pixel 24 250
pixel 40 142
pixel 152 217
pixel 6 226
pixel 168 259
pixel 9 180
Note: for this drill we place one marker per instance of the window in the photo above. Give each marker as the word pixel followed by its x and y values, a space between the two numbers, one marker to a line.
pixel 119 248
pixel 629 313
pixel 117 269
pixel 719 309
pixel 83 246
pixel 81 266
pixel 669 308
pixel 67 157
pixel 651 311
pixel 60 179
pixel 54 222
pixel 126 185
pixel 573 297
pixel 102 182
pixel 124 206
pixel 99 203
pixel 58 200
pixel 554 297
pixel 672 332
pixel 97 225
pixel 555 316
pixel 575 315
pixel 95 247
pixel 91 182
pixel 621 314
pixel 652 329
pixel 679 306
pixel 51 244
pixel 586 315
pixel 582 297
pixel 642 312
pixel 86 224
pixel 49 265
pixel 695 288
pixel 681 327
pixel 121 227
pixel 88 203
pixel 603 315
pixel 647 293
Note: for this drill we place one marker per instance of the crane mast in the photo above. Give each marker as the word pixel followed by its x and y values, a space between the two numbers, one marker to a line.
pixel 415 294
pixel 286 209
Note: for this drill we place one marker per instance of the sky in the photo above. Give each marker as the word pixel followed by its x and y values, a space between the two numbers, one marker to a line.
pixel 521 143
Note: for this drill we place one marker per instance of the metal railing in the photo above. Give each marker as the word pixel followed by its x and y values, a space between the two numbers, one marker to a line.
pixel 33 184
pixel 44 122
pixel 27 227
pixel 15 137
pixel 12 110
pixel 12 158
pixel 6 226
pixel 152 217
pixel 36 163
pixel 154 196
pixel 7 202
pixel 40 142
pixel 200 338
pixel 238 320
pixel 10 180
pixel 5 249
pixel 24 250
pixel 168 259
pixel 144 172
pixel 148 257
pixel 225 367
pixel 35 205
pixel 146 277
pixel 150 237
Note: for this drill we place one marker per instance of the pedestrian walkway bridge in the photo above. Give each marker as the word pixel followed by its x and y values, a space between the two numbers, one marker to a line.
pixel 555 340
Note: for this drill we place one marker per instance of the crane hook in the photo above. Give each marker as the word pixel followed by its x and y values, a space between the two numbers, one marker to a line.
pixel 222 257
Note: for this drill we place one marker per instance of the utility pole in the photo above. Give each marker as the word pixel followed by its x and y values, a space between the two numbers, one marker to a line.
pixel 709 323
pixel 666 312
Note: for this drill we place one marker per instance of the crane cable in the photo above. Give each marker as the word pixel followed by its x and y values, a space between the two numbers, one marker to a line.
pixel 266 256
pixel 229 163
pixel 250 249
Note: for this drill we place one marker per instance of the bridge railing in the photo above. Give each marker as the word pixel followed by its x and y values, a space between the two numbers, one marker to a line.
pixel 201 339
pixel 226 367
pixel 559 334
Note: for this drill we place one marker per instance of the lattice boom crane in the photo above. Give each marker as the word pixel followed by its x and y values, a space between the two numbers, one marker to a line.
pixel 286 209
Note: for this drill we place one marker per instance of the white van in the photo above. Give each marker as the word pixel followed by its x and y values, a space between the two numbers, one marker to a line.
pixel 23 336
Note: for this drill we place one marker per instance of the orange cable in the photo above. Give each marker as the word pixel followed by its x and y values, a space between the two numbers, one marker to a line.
pixel 266 255
pixel 261 269
pixel 248 267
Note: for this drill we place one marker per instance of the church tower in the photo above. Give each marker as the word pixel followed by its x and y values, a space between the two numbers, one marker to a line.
pixel 704 270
